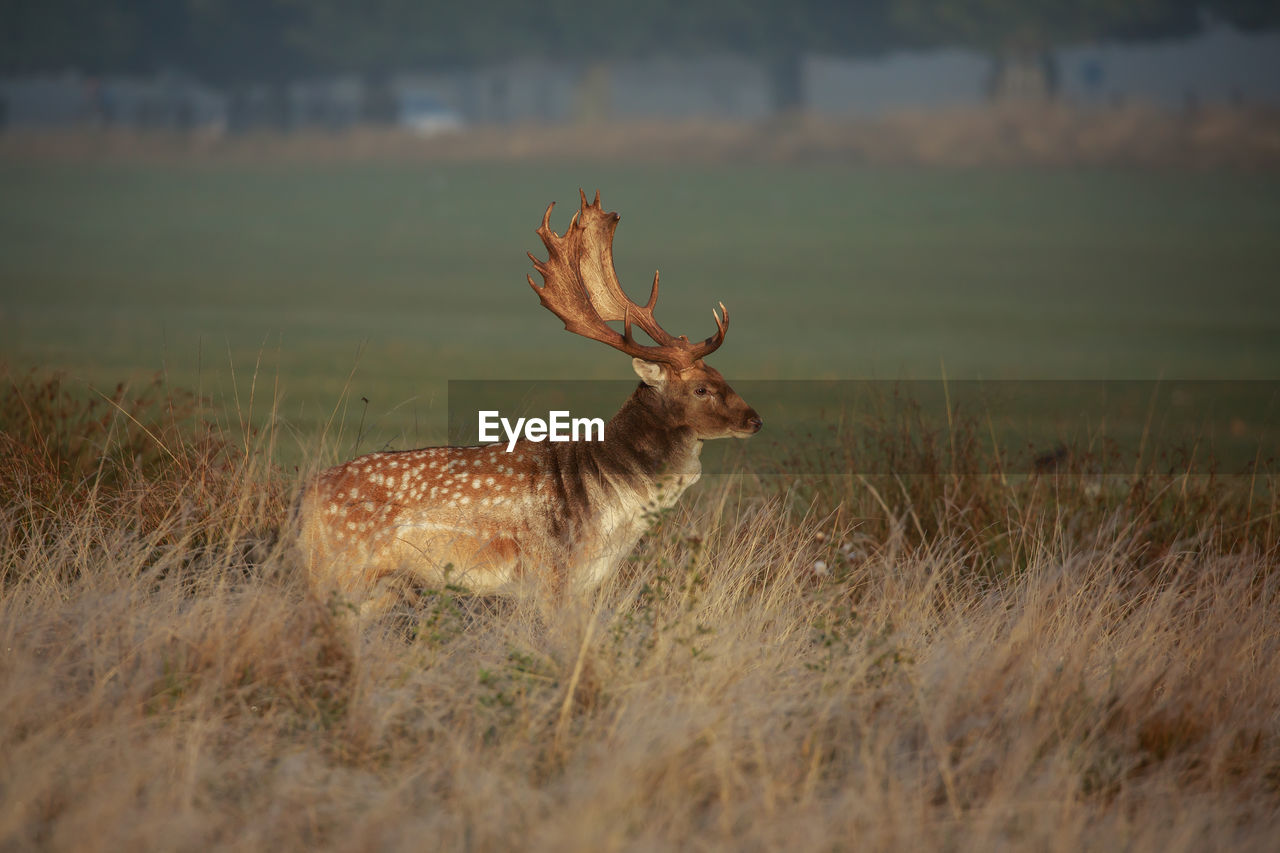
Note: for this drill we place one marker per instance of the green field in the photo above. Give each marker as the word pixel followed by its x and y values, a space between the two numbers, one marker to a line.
pixel 411 275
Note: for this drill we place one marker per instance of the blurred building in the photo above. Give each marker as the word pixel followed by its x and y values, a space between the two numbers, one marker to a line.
pixel 161 102
pixel 324 103
pixel 712 87
pixel 331 103
pixel 913 80
pixel 1220 65
pixel 498 94
pixel 707 87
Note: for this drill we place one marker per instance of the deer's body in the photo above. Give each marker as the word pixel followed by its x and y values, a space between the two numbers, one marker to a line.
pixel 562 515
pixel 486 517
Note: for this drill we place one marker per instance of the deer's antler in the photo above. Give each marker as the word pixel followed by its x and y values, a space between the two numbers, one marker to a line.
pixel 581 287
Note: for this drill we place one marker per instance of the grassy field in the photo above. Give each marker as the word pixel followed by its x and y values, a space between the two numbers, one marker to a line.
pixel 948 660
pixel 923 650
pixel 411 275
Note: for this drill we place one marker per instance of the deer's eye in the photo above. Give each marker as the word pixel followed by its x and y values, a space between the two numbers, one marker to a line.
pixel 700 391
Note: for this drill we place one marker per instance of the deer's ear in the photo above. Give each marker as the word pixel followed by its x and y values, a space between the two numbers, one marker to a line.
pixel 650 373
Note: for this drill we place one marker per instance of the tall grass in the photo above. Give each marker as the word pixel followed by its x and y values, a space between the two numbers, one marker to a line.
pixel 952 660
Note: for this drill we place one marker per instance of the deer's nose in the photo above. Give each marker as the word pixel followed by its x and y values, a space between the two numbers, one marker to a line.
pixel 755 423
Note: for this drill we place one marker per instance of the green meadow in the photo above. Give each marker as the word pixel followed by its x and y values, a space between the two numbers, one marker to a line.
pixel 313 289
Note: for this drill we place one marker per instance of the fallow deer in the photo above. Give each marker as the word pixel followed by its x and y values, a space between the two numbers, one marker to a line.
pixel 563 515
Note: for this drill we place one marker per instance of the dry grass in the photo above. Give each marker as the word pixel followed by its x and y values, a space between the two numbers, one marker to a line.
pixel 961 663
pixel 1014 134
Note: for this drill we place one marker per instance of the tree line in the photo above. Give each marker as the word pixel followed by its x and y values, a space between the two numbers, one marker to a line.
pixel 231 42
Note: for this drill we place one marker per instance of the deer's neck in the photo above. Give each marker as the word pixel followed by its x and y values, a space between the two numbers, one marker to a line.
pixel 643 445
pixel 646 460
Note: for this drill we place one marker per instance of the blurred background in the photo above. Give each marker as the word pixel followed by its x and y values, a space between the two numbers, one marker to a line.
pixel 322 208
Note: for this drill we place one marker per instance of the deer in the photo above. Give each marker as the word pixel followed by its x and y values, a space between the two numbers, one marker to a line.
pixel 562 515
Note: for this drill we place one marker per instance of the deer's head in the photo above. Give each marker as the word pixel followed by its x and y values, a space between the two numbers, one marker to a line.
pixel 581 287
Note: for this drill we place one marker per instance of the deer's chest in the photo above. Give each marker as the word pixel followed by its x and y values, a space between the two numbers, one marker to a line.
pixel 623 520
